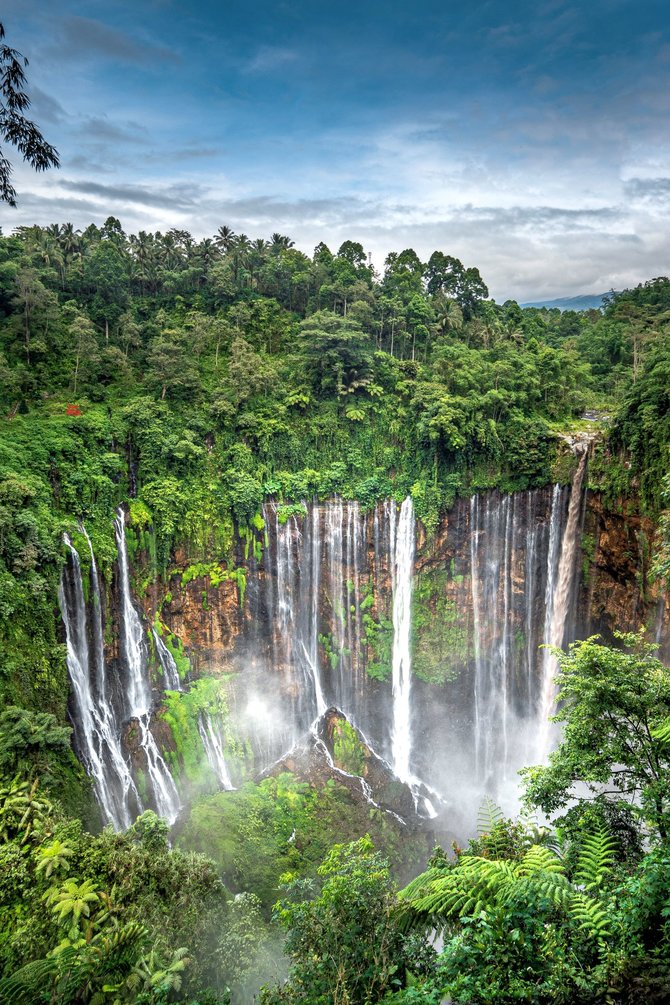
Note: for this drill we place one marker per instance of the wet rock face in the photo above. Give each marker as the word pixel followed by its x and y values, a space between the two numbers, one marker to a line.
pixel 335 749
pixel 207 619
pixel 613 595
pixel 617 593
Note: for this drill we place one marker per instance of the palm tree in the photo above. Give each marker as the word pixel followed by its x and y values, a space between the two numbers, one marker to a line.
pixel 258 251
pixel 224 239
pixel 279 243
pixel 240 252
pixel 69 241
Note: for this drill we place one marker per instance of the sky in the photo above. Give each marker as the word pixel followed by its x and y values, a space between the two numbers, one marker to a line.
pixel 529 139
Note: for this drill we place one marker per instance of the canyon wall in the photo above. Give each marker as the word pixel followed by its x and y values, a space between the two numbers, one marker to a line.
pixel 315 611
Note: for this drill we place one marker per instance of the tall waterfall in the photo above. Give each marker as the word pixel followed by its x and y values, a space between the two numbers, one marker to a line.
pixel 402 560
pixel 558 609
pixel 94 721
pixel 138 692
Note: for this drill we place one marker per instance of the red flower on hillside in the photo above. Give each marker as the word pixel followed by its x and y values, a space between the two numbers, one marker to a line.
pixel 73 410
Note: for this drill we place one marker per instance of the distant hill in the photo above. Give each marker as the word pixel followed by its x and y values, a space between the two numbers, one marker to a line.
pixel 583 302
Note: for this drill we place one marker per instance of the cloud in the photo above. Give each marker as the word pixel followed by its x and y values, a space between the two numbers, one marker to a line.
pixel 174 197
pixel 650 192
pixel 270 58
pixel 45 108
pixel 86 35
pixel 98 128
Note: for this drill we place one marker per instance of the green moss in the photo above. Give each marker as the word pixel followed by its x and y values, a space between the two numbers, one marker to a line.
pixel 439 637
pixel 181 711
pixel 216 574
pixel 331 654
pixel 285 512
pixel 139 514
pixel 588 545
pixel 378 637
pixel 349 753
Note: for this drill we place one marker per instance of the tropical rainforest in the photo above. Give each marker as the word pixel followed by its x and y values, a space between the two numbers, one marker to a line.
pixel 189 382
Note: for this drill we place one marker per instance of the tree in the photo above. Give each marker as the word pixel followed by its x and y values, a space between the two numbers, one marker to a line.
pixel 344 944
pixel 520 922
pixel 336 352
pixel 15 128
pixel 85 348
pixel 612 704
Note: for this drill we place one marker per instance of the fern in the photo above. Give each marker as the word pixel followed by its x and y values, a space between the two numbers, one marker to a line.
pixel 662 733
pixel 596 858
pixel 590 916
pixel 489 815
pixel 539 858
pixel 475 884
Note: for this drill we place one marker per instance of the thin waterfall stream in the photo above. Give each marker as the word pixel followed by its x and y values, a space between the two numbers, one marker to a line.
pixel 560 606
pixel 138 694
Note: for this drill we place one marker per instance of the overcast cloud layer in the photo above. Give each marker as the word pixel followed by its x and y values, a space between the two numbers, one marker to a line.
pixel 529 139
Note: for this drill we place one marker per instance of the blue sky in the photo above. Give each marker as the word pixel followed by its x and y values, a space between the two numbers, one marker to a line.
pixel 530 139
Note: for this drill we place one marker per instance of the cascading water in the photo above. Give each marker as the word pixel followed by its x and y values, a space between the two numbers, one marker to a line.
pixel 94 722
pixel 138 694
pixel 518 545
pixel 169 667
pixel 329 623
pixel 212 743
pixel 403 574
pixel 560 605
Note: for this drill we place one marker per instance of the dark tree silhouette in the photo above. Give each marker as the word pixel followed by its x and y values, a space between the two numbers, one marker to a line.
pixel 15 128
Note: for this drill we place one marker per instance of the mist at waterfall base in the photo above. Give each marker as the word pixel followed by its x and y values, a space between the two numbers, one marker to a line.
pixel 305 644
pixel 328 621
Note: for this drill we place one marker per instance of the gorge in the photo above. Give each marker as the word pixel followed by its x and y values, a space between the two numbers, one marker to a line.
pixel 433 649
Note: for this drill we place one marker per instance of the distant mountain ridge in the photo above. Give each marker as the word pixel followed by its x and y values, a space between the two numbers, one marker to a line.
pixel 582 302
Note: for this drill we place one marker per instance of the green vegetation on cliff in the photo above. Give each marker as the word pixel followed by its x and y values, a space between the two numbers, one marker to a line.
pixel 202 377
pixel 193 380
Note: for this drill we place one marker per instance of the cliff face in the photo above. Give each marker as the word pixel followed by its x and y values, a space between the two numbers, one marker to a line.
pixel 612 588
pixel 311 614
pixel 616 594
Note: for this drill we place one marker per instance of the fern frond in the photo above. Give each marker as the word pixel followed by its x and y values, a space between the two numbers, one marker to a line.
pixel 24 986
pixel 596 858
pixel 489 815
pixel 590 916
pixel 662 733
pixel 541 886
pixel 539 858
pixel 421 883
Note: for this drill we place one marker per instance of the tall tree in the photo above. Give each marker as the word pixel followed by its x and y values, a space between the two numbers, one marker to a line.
pixel 15 128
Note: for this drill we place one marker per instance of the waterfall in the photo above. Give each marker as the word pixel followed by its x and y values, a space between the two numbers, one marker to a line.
pixel 558 607
pixel 402 559
pixel 521 547
pixel 93 717
pixel 138 694
pixel 296 571
pixel 168 665
pixel 212 743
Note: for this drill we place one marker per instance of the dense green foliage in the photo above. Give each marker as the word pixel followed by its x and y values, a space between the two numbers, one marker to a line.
pixel 343 939
pixel 193 380
pixel 261 831
pixel 206 375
